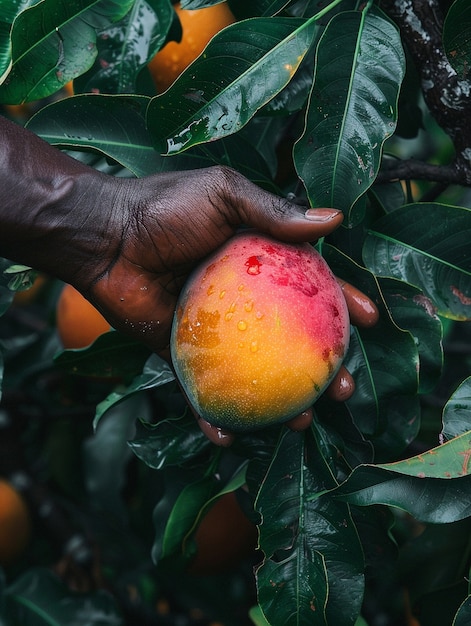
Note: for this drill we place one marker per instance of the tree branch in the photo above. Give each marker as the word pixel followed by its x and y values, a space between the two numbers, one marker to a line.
pixel 446 94
pixel 411 169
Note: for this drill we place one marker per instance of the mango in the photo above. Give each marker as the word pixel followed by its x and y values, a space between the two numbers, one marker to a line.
pixel 260 329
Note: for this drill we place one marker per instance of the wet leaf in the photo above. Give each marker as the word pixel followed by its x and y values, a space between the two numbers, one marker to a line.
pixel 111 125
pixel 185 492
pixel 51 45
pixel 310 544
pixel 8 12
pixel 236 481
pixel 426 245
pixel 111 355
pixel 384 406
pixel 186 500
pixel 413 311
pixel 125 48
pixel 169 442
pixel 353 107
pixel 215 95
pixel 432 486
pixel 114 126
pixel 384 362
pixel 342 444
pixel 293 97
pixel 156 372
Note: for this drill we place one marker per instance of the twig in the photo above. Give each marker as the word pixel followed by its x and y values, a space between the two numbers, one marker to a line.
pixel 446 94
pixel 411 169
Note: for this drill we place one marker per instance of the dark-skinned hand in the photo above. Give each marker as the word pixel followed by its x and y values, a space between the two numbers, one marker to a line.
pixel 129 244
pixel 179 220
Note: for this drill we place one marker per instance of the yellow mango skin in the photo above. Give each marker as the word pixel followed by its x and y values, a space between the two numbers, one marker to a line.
pixel 259 331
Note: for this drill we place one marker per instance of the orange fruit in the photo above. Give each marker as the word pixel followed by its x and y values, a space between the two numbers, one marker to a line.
pixel 19 112
pixel 15 523
pixel 78 321
pixel 224 537
pixel 198 27
pixel 260 330
pixel 68 88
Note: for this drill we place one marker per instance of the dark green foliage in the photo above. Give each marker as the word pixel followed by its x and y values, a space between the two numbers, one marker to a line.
pixel 368 511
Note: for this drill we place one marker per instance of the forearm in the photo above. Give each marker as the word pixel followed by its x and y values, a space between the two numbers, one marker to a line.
pixel 49 203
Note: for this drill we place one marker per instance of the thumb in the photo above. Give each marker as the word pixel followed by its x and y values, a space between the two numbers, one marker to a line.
pixel 275 215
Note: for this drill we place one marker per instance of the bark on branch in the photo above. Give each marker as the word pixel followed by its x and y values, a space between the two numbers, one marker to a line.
pixel 447 95
pixel 410 169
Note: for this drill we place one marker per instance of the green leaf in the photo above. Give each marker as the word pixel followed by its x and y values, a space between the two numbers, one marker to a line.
pixel 6 294
pixel 114 126
pixel 385 405
pixel 340 441
pixel 432 486
pixel 215 95
pixel 156 372
pixel 237 481
pixel 125 48
pixel 384 362
pixel 293 97
pixel 426 245
pixel 258 7
pixel 52 44
pixel 414 312
pixel 433 561
pixel 8 12
pixel 185 503
pixel 352 109
pixel 457 411
pixel 463 616
pixel 457 37
pixel 111 355
pixel 448 460
pixel 185 493
pixel 39 597
pixel 310 545
pixel 169 442
pixel 21 277
pixel 257 617
pixel 106 459
pixel 111 125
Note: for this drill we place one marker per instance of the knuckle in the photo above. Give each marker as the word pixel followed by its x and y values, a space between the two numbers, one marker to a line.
pixel 225 176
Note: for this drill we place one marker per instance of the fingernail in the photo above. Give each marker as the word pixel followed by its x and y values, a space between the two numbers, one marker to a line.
pixel 215 434
pixel 321 215
pixel 301 422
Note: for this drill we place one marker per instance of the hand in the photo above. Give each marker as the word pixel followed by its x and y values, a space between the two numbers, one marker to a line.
pixel 173 221
pixel 129 244
pixel 177 219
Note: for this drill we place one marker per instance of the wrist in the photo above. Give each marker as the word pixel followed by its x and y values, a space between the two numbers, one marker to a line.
pixel 56 213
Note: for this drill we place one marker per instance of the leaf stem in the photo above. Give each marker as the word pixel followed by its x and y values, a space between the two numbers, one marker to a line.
pixel 324 11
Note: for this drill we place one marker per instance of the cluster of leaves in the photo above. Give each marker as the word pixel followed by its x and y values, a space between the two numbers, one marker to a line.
pixel 319 82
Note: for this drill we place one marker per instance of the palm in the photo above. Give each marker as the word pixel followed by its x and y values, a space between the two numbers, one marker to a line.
pixel 179 220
